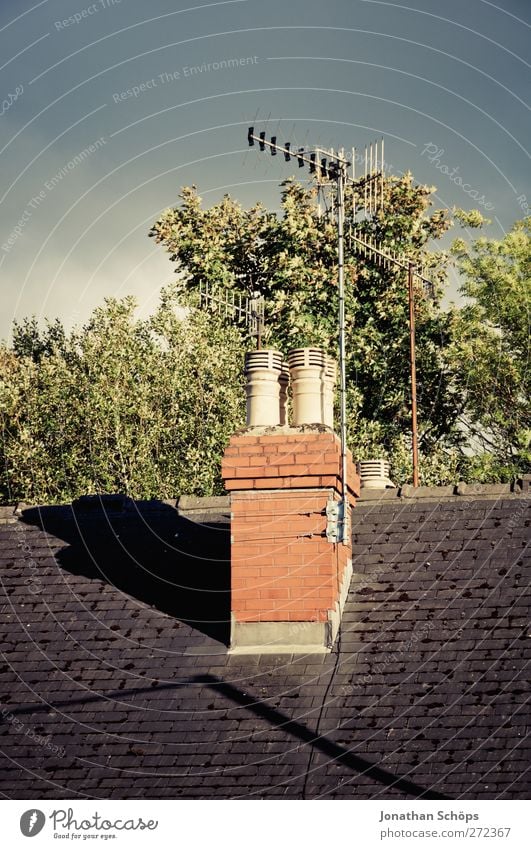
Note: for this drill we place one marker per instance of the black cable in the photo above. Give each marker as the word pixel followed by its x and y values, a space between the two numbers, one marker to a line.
pixel 321 711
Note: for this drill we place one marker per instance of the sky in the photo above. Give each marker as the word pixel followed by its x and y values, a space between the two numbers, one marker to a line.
pixel 108 108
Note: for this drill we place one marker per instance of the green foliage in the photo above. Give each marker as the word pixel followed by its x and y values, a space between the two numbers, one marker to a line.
pixel 470 218
pixel 28 341
pixel 470 363
pixel 121 405
pixel 491 350
pixel 440 466
pixel 487 468
pixel 146 407
pixel 292 261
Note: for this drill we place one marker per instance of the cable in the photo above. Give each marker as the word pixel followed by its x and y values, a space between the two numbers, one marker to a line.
pixel 321 711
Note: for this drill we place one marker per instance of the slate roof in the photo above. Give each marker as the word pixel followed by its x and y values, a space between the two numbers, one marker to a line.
pixel 116 683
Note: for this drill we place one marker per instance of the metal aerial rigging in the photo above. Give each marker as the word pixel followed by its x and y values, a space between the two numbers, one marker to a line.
pixel 332 167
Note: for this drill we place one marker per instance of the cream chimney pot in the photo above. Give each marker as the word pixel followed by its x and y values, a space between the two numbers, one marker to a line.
pixel 374 474
pixel 263 369
pixel 307 366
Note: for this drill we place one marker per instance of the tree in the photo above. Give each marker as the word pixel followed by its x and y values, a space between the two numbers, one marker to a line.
pixel 491 353
pixel 292 261
pixel 30 341
pixel 146 407
pixel 119 405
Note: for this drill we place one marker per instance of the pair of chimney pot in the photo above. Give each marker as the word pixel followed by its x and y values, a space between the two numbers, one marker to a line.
pixel 313 376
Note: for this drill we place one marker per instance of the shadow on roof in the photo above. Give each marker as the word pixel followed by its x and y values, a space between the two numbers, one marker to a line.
pixel 149 552
pixel 334 752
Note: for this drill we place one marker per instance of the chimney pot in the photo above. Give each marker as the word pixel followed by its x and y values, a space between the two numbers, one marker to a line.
pixel 263 369
pixel 374 474
pixel 307 367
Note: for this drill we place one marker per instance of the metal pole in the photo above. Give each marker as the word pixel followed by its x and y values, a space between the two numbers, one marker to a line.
pixel 414 430
pixel 342 369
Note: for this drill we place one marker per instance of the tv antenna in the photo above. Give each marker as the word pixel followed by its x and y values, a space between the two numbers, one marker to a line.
pixel 332 168
pixel 242 310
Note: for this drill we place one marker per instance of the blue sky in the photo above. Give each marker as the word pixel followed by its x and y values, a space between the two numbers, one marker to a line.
pixel 109 107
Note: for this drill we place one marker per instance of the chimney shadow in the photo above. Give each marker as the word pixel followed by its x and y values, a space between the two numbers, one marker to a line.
pixel 146 550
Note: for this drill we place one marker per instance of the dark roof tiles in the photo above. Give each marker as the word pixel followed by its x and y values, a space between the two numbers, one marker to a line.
pixel 116 683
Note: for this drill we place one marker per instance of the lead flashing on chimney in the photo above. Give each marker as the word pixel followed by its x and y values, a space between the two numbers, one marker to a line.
pixel 279 637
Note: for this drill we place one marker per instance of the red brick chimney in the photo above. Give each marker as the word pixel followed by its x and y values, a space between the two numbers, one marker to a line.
pixel 289 577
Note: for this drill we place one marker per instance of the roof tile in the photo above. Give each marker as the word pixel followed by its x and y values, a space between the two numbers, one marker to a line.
pixel 115 655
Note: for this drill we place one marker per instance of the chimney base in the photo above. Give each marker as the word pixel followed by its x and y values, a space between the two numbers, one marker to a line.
pixel 290 637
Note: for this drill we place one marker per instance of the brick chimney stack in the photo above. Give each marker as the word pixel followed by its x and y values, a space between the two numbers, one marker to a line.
pixel 289 577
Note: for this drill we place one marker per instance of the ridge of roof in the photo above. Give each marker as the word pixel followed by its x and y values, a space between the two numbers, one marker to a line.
pixel 203 507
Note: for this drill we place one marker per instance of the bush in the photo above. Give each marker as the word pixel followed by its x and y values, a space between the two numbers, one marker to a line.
pixel 144 408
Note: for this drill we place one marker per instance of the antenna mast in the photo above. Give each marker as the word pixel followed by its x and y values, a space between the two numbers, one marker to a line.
pixel 331 166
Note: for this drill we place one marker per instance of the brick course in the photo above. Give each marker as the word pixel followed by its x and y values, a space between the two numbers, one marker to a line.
pixel 283 568
pixel 285 461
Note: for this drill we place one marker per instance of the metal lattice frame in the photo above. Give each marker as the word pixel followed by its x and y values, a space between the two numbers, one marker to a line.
pixel 241 309
pixel 332 168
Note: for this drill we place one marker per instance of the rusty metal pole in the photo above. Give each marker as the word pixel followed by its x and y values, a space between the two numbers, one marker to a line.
pixel 414 429
pixel 341 175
